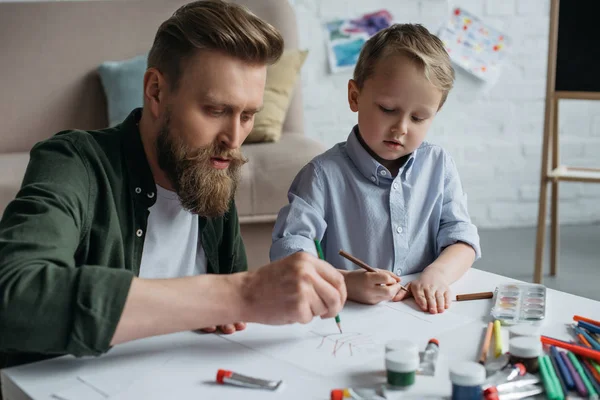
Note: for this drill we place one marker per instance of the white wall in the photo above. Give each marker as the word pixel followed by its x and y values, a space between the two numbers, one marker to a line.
pixel 494 133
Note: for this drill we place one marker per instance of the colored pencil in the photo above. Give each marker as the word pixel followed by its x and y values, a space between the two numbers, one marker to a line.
pixel 589 327
pixel 589 339
pixel 584 319
pixel 362 264
pixel 338 321
pixel 588 372
pixel 552 387
pixel 557 375
pixel 486 343
pixel 562 368
pixel 579 386
pixel 577 349
pixel 588 385
pixel 474 296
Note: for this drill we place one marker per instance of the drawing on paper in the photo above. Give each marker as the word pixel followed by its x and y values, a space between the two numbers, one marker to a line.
pixel 346 37
pixel 474 45
pixel 344 343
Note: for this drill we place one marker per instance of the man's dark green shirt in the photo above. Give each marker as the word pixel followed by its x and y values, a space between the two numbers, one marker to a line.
pixel 71 243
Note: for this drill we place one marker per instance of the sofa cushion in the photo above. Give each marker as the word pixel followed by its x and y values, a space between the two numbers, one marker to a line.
pixel 281 80
pixel 267 176
pixel 13 166
pixel 123 86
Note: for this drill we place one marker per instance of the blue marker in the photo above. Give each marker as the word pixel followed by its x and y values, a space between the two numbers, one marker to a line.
pixel 562 368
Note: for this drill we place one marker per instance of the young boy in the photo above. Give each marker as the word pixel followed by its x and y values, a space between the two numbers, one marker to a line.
pixel 386 196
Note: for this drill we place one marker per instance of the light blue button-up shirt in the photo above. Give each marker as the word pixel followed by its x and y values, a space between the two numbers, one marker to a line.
pixel 349 201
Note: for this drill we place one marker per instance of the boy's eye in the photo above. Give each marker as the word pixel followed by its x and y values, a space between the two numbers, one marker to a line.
pixel 417 119
pixel 386 110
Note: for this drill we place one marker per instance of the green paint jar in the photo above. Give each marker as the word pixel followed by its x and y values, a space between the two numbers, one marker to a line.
pixel 401 366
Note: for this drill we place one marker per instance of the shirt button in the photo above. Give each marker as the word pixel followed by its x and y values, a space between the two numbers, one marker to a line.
pixel 373 179
pixel 138 190
pixel 150 195
pixel 382 172
pixel 399 229
pixel 139 233
pixel 396 186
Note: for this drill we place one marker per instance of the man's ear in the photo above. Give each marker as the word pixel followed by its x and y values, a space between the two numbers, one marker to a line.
pixel 353 93
pixel 155 88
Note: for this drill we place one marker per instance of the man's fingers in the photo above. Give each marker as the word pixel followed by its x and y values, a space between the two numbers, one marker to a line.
pixel 326 301
pixel 335 278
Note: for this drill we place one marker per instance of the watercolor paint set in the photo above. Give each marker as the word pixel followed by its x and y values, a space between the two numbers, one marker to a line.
pixel 517 303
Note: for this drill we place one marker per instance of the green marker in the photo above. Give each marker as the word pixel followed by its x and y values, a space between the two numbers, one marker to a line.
pixel 584 377
pixel 322 257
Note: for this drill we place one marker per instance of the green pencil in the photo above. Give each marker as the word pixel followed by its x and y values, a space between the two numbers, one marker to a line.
pixel 322 257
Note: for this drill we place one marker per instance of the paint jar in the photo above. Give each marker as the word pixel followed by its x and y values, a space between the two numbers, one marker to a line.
pixel 404 345
pixel 467 378
pixel 401 366
pixel 526 350
pixel 524 330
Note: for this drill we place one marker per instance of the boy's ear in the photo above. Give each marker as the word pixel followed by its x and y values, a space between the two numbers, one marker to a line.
pixel 353 93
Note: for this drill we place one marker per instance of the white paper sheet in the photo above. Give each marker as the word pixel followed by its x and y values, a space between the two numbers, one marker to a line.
pixel 357 353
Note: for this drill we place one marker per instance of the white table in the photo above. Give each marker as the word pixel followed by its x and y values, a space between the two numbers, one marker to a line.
pixel 184 365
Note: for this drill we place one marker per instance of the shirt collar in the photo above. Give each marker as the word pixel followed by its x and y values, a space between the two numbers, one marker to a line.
pixel 367 165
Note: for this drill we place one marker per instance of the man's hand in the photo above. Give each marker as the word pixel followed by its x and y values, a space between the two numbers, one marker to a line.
pixel 371 287
pixel 226 329
pixel 293 289
pixel 431 292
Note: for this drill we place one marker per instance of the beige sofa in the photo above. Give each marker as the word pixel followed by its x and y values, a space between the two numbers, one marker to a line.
pixel 48 80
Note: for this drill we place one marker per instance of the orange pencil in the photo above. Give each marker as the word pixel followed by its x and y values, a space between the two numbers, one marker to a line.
pixel 584 319
pixel 486 343
pixel 583 340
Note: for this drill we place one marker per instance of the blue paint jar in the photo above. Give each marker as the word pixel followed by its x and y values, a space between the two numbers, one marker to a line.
pixel 467 378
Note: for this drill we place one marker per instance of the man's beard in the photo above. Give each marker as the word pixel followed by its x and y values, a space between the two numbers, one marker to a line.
pixel 202 189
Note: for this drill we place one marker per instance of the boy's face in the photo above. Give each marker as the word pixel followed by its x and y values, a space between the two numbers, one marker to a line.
pixel 395 107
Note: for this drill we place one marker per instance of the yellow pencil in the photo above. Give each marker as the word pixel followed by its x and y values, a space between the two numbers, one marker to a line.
pixel 497 339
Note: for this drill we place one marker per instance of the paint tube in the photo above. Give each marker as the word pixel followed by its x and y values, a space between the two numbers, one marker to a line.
pixel 507 374
pixel 522 393
pixel 430 355
pixel 231 378
pixel 357 394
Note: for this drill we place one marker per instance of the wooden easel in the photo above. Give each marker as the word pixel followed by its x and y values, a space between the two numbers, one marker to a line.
pixel 572 53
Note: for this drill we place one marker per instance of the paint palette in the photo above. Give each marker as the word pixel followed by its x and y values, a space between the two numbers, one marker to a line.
pixel 519 303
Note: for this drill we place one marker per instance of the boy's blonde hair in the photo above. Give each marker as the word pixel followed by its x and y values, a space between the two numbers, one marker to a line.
pixel 414 41
pixel 213 25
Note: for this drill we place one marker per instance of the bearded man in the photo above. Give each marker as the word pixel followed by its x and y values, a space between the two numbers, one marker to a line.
pixel 132 231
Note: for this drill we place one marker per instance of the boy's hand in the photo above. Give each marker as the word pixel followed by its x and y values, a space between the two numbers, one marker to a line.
pixel 431 292
pixel 226 329
pixel 371 287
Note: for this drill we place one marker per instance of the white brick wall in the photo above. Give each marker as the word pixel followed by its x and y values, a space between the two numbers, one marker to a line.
pixel 494 133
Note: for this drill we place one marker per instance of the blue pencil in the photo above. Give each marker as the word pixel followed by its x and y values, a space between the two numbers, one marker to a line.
pixel 589 327
pixel 588 337
pixel 562 368
pixel 562 384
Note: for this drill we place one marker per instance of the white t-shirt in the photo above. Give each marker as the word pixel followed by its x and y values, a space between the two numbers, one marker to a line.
pixel 172 247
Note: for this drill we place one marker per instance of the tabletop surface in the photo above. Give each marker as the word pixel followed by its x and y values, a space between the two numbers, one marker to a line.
pixel 310 359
